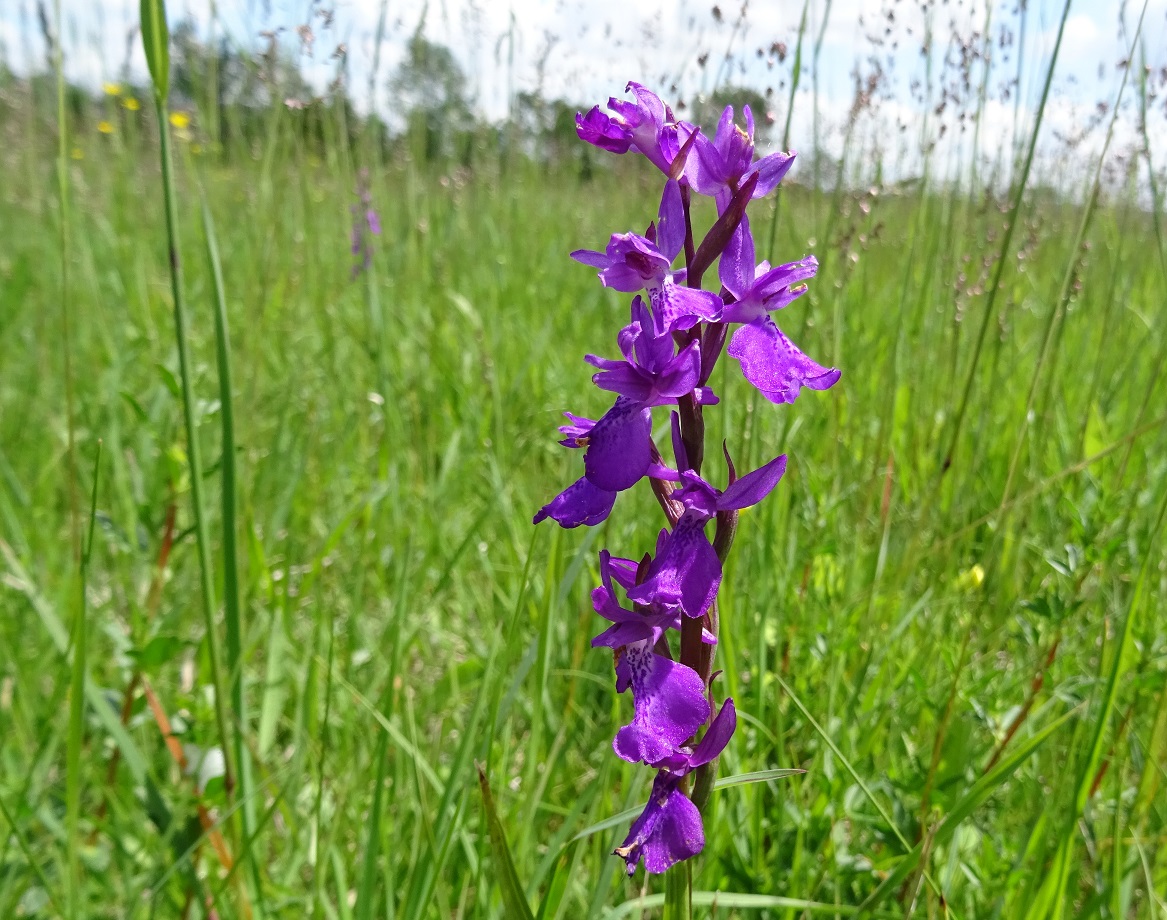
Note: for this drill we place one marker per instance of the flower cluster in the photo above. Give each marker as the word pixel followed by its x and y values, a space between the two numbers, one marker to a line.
pixel 366 225
pixel 662 607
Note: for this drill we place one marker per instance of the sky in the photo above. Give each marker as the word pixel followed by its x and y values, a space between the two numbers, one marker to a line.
pixel 587 50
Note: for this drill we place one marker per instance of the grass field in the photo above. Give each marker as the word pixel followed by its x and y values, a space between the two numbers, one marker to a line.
pixel 967 658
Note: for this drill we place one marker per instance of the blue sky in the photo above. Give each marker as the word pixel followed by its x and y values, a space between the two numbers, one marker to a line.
pixel 589 50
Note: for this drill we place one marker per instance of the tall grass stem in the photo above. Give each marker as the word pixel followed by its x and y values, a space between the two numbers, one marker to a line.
pixel 194 456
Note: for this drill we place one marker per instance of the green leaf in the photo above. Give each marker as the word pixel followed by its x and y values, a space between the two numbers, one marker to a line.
pixel 557 885
pixel 169 380
pixel 508 879
pixel 725 782
pixel 735 901
pixel 159 651
pixel 156 43
pixel 976 796
pixel 760 776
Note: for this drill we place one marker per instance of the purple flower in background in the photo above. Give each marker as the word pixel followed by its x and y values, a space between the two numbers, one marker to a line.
pixel 634 263
pixel 669 829
pixel 719 165
pixel 769 360
pixel 366 223
pixel 645 125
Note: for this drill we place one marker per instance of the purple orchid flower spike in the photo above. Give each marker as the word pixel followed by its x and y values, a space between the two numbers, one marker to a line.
pixel 632 263
pixel 670 829
pixel 721 164
pixel 769 360
pixel 668 352
pixel 645 125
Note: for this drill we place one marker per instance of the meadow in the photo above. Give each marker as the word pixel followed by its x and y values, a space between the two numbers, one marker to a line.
pixel 950 615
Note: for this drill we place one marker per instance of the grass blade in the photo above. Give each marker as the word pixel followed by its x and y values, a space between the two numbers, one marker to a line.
pixel 156 44
pixel 508 879
pixel 367 890
pixel 231 609
pixel 976 796
pixel 733 900
pixel 153 33
pixel 77 713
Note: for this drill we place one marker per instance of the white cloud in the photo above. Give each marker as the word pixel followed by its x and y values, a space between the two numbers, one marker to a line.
pixel 592 49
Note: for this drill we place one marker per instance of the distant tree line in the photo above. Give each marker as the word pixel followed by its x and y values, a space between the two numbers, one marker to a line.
pixel 431 114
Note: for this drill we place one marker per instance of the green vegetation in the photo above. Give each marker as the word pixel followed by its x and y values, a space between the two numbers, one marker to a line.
pixel 968 659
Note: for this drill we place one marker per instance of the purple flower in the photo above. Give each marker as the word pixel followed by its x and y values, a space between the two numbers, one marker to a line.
pixel 365 222
pixel 650 372
pixel 668 700
pixel 580 503
pixel 628 626
pixel 669 829
pixel 618 454
pixel 645 125
pixel 686 571
pixel 632 263
pixel 722 163
pixel 769 360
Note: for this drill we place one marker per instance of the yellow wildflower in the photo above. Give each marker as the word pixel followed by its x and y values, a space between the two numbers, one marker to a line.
pixel 112 89
pixel 105 127
pixel 132 104
pixel 971 579
pixel 78 153
pixel 180 120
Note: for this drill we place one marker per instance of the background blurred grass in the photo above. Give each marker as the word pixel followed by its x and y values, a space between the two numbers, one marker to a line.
pixel 402 618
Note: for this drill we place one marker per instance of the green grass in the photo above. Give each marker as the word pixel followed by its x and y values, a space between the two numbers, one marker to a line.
pixel 399 618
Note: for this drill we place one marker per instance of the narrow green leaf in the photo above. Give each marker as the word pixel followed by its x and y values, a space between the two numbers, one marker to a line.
pixel 156 44
pixel 508 879
pixel 977 794
pixel 759 776
pixel 726 782
pixel 232 615
pixel 737 901
pixel 77 711
pixel 367 890
pixel 557 884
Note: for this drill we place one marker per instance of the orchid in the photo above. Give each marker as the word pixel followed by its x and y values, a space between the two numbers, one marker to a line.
pixel 722 164
pixel 769 360
pixel 632 263
pixel 669 829
pixel 645 125
pixel 663 632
